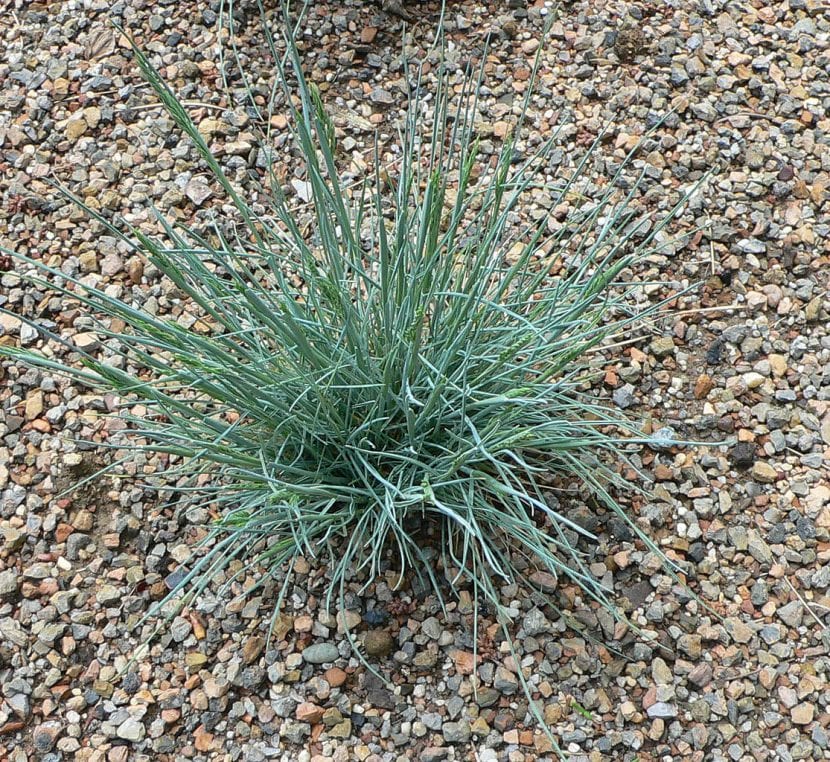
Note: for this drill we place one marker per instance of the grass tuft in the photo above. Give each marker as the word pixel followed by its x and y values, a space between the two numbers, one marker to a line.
pixel 405 375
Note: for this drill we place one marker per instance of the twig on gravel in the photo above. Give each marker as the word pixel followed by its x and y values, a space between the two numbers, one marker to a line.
pixel 752 115
pixel 691 311
pixel 719 308
pixel 805 604
pixel 189 104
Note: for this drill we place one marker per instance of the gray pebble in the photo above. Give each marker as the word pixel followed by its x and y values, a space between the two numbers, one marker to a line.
pixel 321 653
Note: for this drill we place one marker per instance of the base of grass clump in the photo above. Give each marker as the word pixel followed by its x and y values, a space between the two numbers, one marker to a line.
pixel 406 362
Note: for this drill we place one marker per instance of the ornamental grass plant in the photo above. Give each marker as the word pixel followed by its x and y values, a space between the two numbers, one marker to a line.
pixel 399 371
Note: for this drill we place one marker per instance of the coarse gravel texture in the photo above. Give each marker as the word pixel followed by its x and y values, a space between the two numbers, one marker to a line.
pixel 746 358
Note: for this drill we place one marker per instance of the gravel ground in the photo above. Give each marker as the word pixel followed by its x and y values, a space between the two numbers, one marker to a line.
pixel 747 357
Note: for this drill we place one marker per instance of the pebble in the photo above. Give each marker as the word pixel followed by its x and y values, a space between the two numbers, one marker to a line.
pixel 505 681
pixel 9 585
pixel 743 454
pixel 456 732
pixel 131 730
pixel 107 595
pixel 764 472
pixel 662 346
pixel 759 549
pixel 198 191
pixel 378 643
pixel 535 623
pixel 662 710
pixel 791 613
pixel 802 714
pixel 738 630
pixel 321 653
pixel 624 397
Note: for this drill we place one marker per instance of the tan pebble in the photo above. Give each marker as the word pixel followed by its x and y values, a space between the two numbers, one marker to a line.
pixel 753 380
pixel 335 677
pixel 135 270
pixel 341 729
pixel 83 521
pixel 802 714
pixel 303 623
pixel 464 663
pixel 347 620
pixel 764 472
pixel 202 740
pixel 76 127
pixel 778 365
pixel 662 346
pixel 92 115
pixel 703 386
pixel 252 649
pixel 544 580
pixel 511 736
pixel 308 712
pixel 34 405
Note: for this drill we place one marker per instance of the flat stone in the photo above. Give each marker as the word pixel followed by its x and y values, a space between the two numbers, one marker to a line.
pixel 335 677
pixel 662 709
pixel 802 714
pixel 108 595
pixel 505 681
pixel 817 498
pixel 252 649
pixel 382 97
pixel 34 405
pixel 703 385
pixel 180 629
pixel 742 454
pixel 738 537
pixel 12 632
pixel 51 632
pixel 44 736
pixel 20 705
pixel 764 472
pixel 791 614
pixel 342 729
pixel 9 585
pixel 661 673
pixel 738 630
pixel 662 346
pixel 295 732
pixel 487 697
pixel 771 633
pixel 432 628
pixel 691 645
pixel 535 623
pixel 623 396
pixel 131 730
pixel 198 191
pixel 701 675
pixel 321 653
pixel 457 732
pixel 758 549
pixel 76 127
pixel 308 712
pixel 545 581
pixel 778 365
pixel 753 380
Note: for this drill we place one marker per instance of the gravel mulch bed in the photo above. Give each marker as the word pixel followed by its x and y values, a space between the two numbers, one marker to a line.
pixel 747 357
